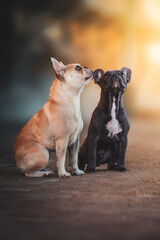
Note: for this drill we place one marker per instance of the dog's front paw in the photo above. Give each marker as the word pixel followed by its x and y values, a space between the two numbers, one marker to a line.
pixel 64 174
pixel 79 172
pixel 90 169
pixel 121 169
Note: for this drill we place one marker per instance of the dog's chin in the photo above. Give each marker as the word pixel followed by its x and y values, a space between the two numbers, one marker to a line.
pixel 115 91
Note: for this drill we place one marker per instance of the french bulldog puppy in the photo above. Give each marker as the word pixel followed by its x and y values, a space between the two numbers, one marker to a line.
pixel 107 134
pixel 56 127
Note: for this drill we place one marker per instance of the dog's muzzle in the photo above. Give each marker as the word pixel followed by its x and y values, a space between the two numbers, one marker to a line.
pixel 117 84
pixel 90 76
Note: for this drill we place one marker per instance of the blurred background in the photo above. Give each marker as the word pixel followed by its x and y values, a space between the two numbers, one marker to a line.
pixel 108 34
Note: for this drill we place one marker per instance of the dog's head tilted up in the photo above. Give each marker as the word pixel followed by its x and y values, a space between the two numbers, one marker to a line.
pixel 113 81
pixel 73 75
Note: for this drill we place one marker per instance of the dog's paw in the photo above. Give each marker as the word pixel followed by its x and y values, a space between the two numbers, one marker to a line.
pixel 121 169
pixel 64 175
pixel 42 173
pixel 112 168
pixel 90 169
pixel 47 173
pixel 81 167
pixel 79 172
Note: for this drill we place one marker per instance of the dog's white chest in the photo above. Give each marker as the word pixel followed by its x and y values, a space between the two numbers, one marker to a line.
pixel 113 126
pixel 75 131
pixel 75 123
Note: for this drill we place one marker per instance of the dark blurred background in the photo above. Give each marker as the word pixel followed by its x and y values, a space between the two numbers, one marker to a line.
pixel 106 34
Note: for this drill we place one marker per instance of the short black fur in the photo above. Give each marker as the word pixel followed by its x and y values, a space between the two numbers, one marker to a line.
pixel 101 146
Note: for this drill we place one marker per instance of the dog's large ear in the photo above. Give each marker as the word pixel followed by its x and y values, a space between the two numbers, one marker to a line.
pixel 127 72
pixel 58 67
pixel 98 73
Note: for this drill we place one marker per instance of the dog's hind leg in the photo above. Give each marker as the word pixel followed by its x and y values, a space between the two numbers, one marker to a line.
pixel 112 164
pixel 32 160
pixel 83 156
pixel 45 173
pixel 106 156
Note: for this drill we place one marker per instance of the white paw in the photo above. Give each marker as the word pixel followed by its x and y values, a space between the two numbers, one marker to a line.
pixel 42 173
pixel 64 175
pixel 79 172
pixel 48 173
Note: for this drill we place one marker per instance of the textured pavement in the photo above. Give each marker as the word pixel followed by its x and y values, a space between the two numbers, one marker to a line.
pixel 103 205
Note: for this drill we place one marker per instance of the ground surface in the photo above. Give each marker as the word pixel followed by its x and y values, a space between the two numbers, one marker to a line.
pixel 102 205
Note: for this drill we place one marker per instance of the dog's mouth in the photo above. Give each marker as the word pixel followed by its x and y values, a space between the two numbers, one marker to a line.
pixel 89 77
pixel 116 87
pixel 116 84
pixel 115 90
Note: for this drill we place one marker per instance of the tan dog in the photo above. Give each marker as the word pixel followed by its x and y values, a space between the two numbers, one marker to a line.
pixel 56 126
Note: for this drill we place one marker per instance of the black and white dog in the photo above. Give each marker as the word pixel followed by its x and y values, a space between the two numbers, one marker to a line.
pixel 106 141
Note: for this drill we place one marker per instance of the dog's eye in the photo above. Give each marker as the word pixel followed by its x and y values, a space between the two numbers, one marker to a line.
pixel 78 68
pixel 122 74
pixel 106 76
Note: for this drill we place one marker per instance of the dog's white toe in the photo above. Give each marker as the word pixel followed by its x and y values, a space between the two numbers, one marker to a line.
pixel 64 175
pixel 79 172
pixel 48 173
pixel 43 173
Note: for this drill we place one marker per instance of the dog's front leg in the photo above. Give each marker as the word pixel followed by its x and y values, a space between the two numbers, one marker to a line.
pixel 73 155
pixel 92 153
pixel 61 148
pixel 122 146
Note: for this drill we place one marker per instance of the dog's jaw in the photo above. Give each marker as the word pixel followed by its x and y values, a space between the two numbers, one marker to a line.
pixel 113 125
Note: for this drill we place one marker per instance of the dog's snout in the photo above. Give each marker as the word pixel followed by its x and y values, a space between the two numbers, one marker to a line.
pixel 89 73
pixel 115 82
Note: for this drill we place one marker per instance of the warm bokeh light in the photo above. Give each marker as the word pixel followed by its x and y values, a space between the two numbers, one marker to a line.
pixel 151 11
pixel 153 52
pixel 108 34
pixel 122 33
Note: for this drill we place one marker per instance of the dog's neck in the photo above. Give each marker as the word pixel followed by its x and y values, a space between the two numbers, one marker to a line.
pixel 62 93
pixel 107 99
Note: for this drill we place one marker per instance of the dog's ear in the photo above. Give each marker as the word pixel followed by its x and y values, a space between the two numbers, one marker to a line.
pixel 98 73
pixel 127 72
pixel 58 67
pixel 61 63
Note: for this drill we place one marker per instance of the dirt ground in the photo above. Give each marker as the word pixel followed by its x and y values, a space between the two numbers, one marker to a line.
pixel 102 205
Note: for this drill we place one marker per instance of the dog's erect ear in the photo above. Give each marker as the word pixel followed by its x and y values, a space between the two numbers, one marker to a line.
pixel 127 72
pixel 58 67
pixel 97 75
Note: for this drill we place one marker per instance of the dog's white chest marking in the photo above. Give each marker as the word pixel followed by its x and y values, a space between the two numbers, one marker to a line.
pixel 74 122
pixel 113 126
